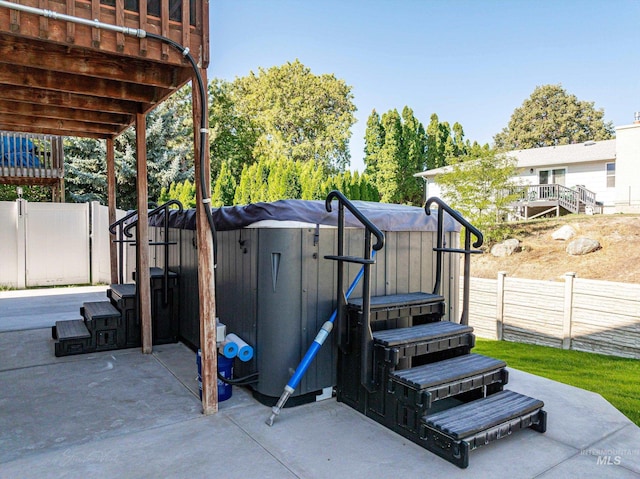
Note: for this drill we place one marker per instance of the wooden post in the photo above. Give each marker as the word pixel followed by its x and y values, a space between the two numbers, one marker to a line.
pixel 500 305
pixel 143 283
pixel 111 202
pixel 568 310
pixel 206 277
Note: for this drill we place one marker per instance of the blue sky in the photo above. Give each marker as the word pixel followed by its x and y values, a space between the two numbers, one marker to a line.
pixel 472 62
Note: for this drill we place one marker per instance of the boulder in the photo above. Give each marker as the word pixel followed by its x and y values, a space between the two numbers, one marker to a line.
pixel 582 246
pixel 506 248
pixel 564 233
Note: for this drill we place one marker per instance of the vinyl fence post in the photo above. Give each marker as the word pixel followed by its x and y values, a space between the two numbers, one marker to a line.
pixel 500 305
pixel 568 309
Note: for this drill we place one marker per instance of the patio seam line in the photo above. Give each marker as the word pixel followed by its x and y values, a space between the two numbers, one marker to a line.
pixel 228 416
pixel 155 356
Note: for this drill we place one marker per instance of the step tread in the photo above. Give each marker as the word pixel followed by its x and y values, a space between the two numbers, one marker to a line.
pixel 127 290
pixel 422 332
pixel 397 300
pixel 446 371
pixel 73 329
pixel 100 309
pixel 471 418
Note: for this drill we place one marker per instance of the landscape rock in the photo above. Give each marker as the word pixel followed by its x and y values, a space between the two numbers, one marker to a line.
pixel 582 246
pixel 506 248
pixel 564 233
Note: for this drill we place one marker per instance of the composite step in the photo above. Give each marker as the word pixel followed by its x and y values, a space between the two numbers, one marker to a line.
pixel 120 291
pixel 72 337
pixel 400 305
pixel 73 329
pixel 105 323
pixel 422 385
pixel 453 433
pixel 423 339
pixel 100 310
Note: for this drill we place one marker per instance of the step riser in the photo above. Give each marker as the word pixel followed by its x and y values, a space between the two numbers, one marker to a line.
pixel 422 400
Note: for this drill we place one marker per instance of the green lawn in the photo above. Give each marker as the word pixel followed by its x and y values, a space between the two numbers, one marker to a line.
pixel 616 379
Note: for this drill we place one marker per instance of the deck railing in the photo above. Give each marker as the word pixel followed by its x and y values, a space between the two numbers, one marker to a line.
pixel 29 157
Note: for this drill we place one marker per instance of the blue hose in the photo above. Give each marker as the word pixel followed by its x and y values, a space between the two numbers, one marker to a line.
pixel 312 351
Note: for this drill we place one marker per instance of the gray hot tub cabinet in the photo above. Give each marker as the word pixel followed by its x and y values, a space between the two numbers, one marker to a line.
pixel 275 289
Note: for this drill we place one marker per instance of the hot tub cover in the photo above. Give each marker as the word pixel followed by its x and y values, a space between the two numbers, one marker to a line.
pixel 387 217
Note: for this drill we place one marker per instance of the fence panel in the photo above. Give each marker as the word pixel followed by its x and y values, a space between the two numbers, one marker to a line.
pixel 57 244
pixel 11 238
pixel 581 314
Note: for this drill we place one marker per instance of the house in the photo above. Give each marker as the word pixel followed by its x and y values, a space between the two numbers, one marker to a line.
pixel 594 176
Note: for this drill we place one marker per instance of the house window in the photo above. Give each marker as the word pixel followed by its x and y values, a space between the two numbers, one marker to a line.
pixel 611 175
pixel 548 177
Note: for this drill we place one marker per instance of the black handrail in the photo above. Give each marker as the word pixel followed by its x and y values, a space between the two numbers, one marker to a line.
pixel 366 338
pixel 126 231
pixel 467 251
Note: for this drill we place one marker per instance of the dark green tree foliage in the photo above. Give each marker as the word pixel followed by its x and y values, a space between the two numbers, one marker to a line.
pixel 168 151
pixel 395 149
pixel 373 141
pixel 551 117
pixel 389 158
pixel 414 139
pixel 85 170
pixel 479 188
pixel 29 192
pixel 438 146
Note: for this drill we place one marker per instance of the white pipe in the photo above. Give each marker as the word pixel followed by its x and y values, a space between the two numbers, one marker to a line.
pixel 134 32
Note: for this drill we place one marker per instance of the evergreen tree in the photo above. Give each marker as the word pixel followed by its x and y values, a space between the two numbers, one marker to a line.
pixel 224 188
pixel 85 170
pixel 373 141
pixel 389 157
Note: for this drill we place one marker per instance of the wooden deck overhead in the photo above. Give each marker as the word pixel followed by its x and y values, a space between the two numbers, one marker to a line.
pixel 62 78
pixel 88 68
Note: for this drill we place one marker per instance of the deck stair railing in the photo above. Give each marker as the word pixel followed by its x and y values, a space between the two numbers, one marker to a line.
pixel 122 230
pixel 366 340
pixel 467 251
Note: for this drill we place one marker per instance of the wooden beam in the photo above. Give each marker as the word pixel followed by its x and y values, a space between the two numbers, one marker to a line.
pixel 111 204
pixel 49 131
pixel 48 56
pixel 206 277
pixel 66 82
pixel 81 128
pixel 143 283
pixel 57 98
pixel 62 113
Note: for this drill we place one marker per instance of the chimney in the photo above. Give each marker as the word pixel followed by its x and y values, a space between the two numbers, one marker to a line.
pixel 636 118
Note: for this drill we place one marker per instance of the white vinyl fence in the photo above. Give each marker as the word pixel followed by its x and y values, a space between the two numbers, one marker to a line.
pixel 50 244
pixel 581 314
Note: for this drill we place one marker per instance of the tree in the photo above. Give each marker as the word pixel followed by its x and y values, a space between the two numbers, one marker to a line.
pixel 389 157
pixel 224 188
pixel 395 149
pixel 551 117
pixel 479 188
pixel 373 141
pixel 169 148
pixel 291 113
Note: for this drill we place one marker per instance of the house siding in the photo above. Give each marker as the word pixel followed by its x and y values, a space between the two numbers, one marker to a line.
pixel 627 197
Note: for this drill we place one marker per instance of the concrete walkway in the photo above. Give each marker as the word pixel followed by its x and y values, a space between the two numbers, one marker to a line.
pixel 125 414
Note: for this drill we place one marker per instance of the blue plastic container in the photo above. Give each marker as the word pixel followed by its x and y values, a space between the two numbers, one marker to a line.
pixel 225 369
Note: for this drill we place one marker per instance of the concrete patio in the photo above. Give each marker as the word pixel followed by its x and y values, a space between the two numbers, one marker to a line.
pixel 124 414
